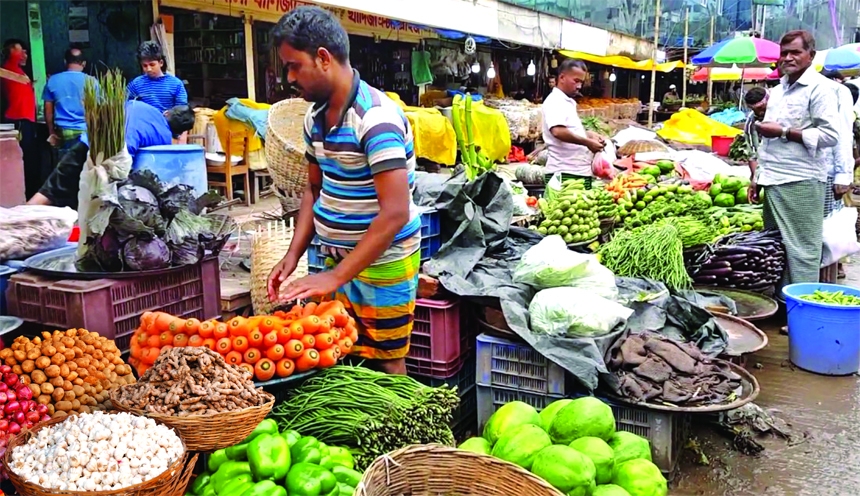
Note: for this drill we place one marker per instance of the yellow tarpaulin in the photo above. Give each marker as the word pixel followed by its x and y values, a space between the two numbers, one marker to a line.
pixel 622 62
pixel 490 130
pixel 225 125
pixel 432 133
pixel 695 128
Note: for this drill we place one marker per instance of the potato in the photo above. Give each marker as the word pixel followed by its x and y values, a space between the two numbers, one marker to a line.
pixel 34 353
pixel 57 382
pixel 83 373
pixel 76 405
pixel 51 409
pixel 69 396
pixel 5 353
pixel 72 366
pixel 67 385
pixel 11 361
pixel 78 382
pixel 43 399
pixel 35 389
pixel 78 390
pixel 97 354
pixel 53 370
pixel 68 342
pixel 28 366
pixel 58 358
pixel 38 376
pixel 49 350
pixel 17 370
pixel 78 351
pixel 47 388
pixel 58 413
pixel 19 355
pixel 25 379
pixel 58 394
pixel 43 362
pixel 72 376
pixel 69 354
pixel 64 370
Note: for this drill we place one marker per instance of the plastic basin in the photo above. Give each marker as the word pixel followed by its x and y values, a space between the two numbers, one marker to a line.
pixel 721 145
pixel 822 338
pixel 175 164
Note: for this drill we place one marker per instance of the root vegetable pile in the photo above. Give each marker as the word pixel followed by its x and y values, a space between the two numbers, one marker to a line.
pixel 97 452
pixel 192 381
pixel 68 371
pixel 372 412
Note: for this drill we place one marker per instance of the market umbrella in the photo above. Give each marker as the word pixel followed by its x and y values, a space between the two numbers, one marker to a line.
pixel 743 51
pixel 842 59
pixel 731 73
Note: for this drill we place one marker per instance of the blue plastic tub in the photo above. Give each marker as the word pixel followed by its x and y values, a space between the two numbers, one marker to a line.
pixel 175 164
pixel 822 338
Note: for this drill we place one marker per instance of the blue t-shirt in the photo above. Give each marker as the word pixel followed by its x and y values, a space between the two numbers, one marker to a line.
pixel 144 126
pixel 66 90
pixel 162 93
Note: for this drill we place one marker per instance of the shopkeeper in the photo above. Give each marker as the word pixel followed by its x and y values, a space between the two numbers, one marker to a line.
pixel 570 148
pixel 144 126
pixel 358 200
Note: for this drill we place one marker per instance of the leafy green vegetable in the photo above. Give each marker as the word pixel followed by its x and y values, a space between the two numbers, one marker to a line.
pixel 146 254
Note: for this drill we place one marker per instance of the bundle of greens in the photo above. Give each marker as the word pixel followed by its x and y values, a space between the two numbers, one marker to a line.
pixel 651 252
pixel 145 224
pixel 371 412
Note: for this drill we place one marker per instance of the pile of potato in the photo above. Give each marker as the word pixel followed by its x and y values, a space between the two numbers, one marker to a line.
pixel 69 371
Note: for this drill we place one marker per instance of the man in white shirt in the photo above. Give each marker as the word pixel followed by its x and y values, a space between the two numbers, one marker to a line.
pixel 570 148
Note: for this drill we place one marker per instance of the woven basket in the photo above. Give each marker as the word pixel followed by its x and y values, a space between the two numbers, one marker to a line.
pixel 269 246
pixel 172 482
pixel 433 469
pixel 285 146
pixel 207 432
pixel 641 146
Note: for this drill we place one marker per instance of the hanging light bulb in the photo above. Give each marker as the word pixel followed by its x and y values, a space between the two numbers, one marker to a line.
pixel 491 72
pixel 476 67
pixel 531 69
pixel 612 77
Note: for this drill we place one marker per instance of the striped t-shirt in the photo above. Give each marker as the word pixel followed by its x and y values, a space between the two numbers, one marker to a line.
pixel 373 136
pixel 162 93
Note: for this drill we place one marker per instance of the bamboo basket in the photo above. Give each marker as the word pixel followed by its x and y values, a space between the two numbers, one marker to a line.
pixel 269 246
pixel 172 482
pixel 207 432
pixel 434 469
pixel 285 146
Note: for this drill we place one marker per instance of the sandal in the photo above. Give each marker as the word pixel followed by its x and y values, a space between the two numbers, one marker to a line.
pixel 783 330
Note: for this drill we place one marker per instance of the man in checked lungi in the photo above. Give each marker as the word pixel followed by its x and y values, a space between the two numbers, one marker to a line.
pixel 358 201
pixel 801 121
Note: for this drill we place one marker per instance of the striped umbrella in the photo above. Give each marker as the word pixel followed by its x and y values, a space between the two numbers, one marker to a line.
pixel 742 51
pixel 731 73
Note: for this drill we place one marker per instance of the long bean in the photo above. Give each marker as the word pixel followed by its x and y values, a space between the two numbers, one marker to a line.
pixel 653 252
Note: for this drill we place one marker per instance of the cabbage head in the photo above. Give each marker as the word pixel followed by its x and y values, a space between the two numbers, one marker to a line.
pixel 146 254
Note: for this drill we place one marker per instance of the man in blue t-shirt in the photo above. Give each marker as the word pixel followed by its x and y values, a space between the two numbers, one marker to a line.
pixel 144 126
pixel 64 102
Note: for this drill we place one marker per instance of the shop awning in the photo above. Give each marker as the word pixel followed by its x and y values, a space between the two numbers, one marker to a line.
pixel 623 62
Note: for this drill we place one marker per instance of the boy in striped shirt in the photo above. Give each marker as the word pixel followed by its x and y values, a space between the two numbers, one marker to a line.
pixel 162 91
pixel 358 200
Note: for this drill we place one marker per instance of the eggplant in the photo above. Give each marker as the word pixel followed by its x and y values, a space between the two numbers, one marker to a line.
pixel 738 249
pixel 704 279
pixel 720 264
pixel 731 258
pixel 725 271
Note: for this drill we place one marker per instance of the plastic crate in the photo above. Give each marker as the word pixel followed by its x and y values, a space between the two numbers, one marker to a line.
pixel 465 420
pixel 112 307
pixel 430 223
pixel 462 380
pixel 429 247
pixel 5 274
pixel 667 432
pixel 440 339
pixel 518 367
pixel 490 398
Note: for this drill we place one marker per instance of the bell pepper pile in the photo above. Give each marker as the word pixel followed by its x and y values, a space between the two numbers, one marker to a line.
pixel 306 337
pixel 272 463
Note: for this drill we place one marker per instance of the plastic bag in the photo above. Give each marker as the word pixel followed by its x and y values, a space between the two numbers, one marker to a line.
pixel 601 166
pixel 549 264
pixel 840 236
pixel 520 198
pixel 575 313
pixel 99 180
pixel 32 229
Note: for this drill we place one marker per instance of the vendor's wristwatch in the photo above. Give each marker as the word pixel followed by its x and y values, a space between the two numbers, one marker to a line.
pixel 784 136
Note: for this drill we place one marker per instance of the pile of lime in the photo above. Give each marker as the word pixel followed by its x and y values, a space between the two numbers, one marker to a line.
pixel 572 215
pixel 606 208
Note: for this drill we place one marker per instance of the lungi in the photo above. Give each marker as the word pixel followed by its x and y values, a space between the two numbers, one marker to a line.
pixel 796 210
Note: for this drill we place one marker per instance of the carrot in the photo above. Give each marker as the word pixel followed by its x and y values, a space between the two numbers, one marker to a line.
pixel 148 355
pixel 195 340
pixel 221 330
pixel 324 307
pixel 297 330
pixel 162 321
pixel 238 326
pixel 309 359
pixel 176 326
pixel 153 341
pixel 328 358
pixel 180 340
pixel 341 317
pixel 325 324
pixel 270 339
pixel 206 329
pixel 267 324
pixel 224 346
pixel 165 338
pixel 209 343
pixel 135 351
pixel 285 367
pixel 345 346
pixel 264 370
pixel 252 356
pixel 163 349
pixel 324 341
pixel 141 339
pixel 146 318
pixel 294 349
pixel 284 335
pixel 309 309
pixel 233 358
pixel 240 344
pixel 308 341
pixel 192 325
pixel 255 338
pixel 310 324
pixel 248 367
pixel 275 353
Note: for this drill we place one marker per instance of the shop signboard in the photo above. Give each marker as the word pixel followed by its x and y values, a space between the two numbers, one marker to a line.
pixel 527 27
pixel 628 46
pixel 581 38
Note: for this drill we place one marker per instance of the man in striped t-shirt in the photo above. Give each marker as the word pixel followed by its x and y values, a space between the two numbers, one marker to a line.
pixel 162 91
pixel 358 200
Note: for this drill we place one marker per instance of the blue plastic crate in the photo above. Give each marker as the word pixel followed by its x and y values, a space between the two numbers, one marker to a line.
pixel 430 223
pixel 517 367
pixel 429 247
pixel 5 274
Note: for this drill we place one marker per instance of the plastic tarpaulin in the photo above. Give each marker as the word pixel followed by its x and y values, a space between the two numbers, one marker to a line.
pixel 432 133
pixel 623 62
pixel 695 128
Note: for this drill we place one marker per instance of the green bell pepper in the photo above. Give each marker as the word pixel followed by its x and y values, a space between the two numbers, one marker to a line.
pixel 306 450
pixel 237 486
pixel 269 455
pixel 265 488
pixel 344 489
pixel 216 460
pixel 267 426
pixel 337 456
pixel 291 436
pixel 200 482
pixel 209 490
pixel 229 470
pixel 346 475
pixel 306 479
pixel 238 452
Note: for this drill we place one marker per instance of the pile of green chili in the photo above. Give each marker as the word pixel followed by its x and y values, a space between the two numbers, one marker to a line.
pixel 652 252
pixel 371 412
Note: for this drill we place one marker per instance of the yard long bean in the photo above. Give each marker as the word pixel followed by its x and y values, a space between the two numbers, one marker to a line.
pixel 653 252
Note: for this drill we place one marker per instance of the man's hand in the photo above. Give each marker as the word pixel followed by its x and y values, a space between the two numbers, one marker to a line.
pixel 840 189
pixel 54 140
pixel 769 129
pixel 322 284
pixel 280 272
pixel 752 192
pixel 595 146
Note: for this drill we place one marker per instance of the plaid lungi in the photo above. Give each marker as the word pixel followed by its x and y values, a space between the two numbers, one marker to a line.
pixel 831 204
pixel 795 209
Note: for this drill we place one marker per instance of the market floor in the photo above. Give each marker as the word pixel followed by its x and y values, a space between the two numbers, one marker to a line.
pixel 826 409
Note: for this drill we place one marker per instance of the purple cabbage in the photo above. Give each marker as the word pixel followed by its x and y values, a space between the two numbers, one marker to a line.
pixel 146 254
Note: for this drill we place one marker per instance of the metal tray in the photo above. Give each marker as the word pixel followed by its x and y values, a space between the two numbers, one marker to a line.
pixel 295 378
pixel 60 263
pixel 751 306
pixel 747 392
pixel 744 337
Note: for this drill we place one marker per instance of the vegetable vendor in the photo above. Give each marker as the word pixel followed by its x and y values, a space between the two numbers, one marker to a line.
pixel 801 121
pixel 144 126
pixel 358 200
pixel 570 148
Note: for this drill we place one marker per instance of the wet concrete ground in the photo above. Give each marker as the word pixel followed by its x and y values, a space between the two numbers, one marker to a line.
pixel 826 409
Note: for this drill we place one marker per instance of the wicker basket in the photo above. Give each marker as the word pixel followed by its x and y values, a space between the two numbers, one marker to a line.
pixel 285 146
pixel 433 469
pixel 270 244
pixel 172 482
pixel 207 432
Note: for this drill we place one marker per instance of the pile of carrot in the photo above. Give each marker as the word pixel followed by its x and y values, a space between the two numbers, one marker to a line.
pixel 307 337
pixel 623 183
